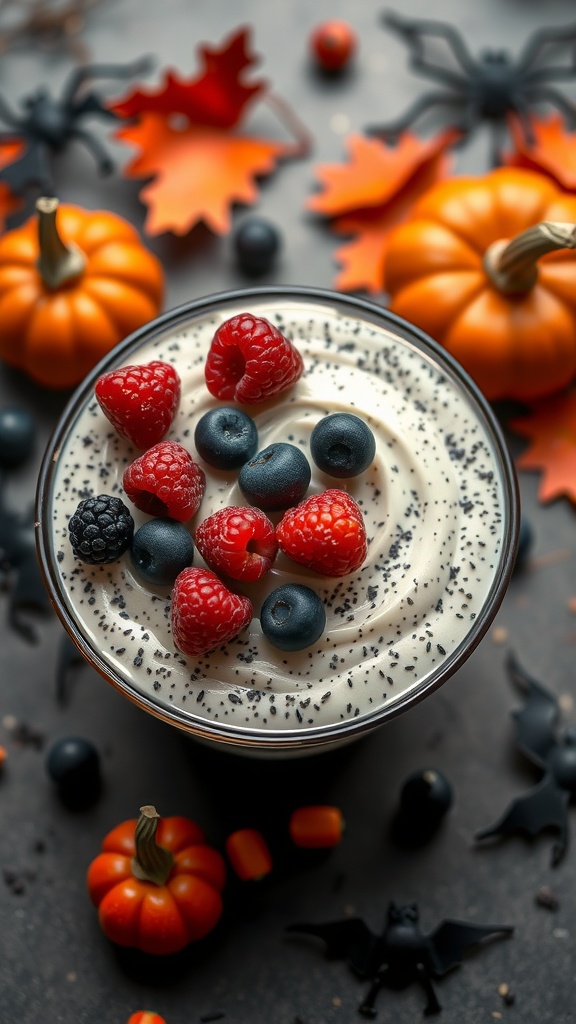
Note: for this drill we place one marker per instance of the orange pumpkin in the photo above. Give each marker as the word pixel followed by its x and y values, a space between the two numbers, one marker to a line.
pixel 157 896
pixel 477 269
pixel 71 289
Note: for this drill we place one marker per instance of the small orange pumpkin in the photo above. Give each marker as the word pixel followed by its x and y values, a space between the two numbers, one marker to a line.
pixel 71 289
pixel 484 266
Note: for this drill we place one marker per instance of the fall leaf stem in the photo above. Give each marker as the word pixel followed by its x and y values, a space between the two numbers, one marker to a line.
pixel 292 123
pixel 58 264
pixel 511 265
pixel 152 863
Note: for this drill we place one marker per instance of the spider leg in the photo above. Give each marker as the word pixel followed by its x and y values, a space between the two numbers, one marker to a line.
pixel 541 38
pixel 32 168
pixel 393 129
pixel 8 116
pixel 82 74
pixel 94 146
pixel 556 99
pixel 91 103
pixel 413 32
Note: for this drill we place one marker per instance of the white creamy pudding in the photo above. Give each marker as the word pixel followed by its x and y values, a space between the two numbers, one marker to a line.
pixel 438 506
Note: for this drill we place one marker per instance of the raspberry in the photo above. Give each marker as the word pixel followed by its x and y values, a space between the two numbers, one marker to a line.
pixel 250 360
pixel 204 613
pixel 101 529
pixel 140 401
pixel 325 532
pixel 238 541
pixel 165 481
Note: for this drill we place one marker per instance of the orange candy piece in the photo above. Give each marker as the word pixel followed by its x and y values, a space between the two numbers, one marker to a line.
pixel 248 854
pixel 316 827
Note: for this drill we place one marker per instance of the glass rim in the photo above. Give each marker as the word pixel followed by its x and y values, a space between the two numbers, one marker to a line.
pixel 289 739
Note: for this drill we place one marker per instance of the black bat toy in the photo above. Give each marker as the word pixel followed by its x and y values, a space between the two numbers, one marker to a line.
pixel 545 806
pixel 402 955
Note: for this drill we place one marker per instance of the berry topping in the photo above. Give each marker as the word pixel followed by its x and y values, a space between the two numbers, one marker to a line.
pixel 238 541
pixel 205 614
pixel 140 401
pixel 17 436
pixel 292 617
pixel 226 437
pixel 161 549
pixel 325 532
pixel 250 360
pixel 101 529
pixel 333 44
pixel 276 478
pixel 342 445
pixel 256 243
pixel 165 481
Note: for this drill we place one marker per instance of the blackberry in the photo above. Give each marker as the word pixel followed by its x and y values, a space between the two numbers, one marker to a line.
pixel 101 529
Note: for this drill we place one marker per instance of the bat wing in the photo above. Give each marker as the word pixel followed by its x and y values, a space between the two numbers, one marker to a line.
pixel 536 721
pixel 349 940
pixel 451 939
pixel 543 806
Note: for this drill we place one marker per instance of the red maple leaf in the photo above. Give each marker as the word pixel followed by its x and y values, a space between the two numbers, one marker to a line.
pixel 371 193
pixel 552 150
pixel 186 144
pixel 551 428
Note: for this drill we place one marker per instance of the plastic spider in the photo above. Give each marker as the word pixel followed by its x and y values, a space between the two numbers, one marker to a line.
pixel 48 124
pixel 487 88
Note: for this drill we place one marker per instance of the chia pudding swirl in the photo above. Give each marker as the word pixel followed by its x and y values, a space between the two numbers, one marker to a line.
pixel 433 506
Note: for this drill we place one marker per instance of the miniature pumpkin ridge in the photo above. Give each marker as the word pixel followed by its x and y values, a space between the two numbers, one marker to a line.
pixel 486 266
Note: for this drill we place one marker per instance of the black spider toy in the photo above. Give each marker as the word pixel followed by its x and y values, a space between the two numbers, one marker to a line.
pixel 487 88
pixel 545 806
pixel 402 954
pixel 49 124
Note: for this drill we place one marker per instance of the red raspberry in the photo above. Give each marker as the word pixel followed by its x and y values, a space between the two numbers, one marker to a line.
pixel 205 614
pixel 165 482
pixel 140 401
pixel 239 541
pixel 250 360
pixel 325 532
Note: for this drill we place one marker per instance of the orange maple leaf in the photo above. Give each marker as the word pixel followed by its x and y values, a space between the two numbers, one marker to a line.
pixel 9 203
pixel 552 151
pixel 551 428
pixel 183 133
pixel 370 194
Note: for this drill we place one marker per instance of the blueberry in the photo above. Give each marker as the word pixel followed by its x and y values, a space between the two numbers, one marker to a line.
pixel 292 617
pixel 342 445
pixel 425 797
pixel 256 243
pixel 17 436
pixel 226 438
pixel 74 765
pixel 276 478
pixel 160 549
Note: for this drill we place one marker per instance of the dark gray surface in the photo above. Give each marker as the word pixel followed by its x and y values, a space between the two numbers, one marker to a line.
pixel 55 964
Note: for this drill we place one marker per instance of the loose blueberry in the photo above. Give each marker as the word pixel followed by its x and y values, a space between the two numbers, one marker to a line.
pixel 342 445
pixel 256 244
pixel 525 542
pixel 276 478
pixel 292 617
pixel 226 437
pixel 17 436
pixel 426 796
pixel 74 765
pixel 160 550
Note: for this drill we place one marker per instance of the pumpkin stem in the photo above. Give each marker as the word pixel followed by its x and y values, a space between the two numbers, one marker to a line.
pixel 511 266
pixel 152 863
pixel 58 264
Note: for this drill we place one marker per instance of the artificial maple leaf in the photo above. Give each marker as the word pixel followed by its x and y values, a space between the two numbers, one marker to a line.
pixel 199 167
pixel 552 150
pixel 551 428
pixel 371 193
pixel 9 203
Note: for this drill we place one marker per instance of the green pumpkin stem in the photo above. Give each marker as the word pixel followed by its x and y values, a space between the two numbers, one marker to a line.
pixel 152 863
pixel 511 265
pixel 58 264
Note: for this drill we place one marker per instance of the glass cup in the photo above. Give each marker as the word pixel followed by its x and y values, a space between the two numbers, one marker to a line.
pixel 441 512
